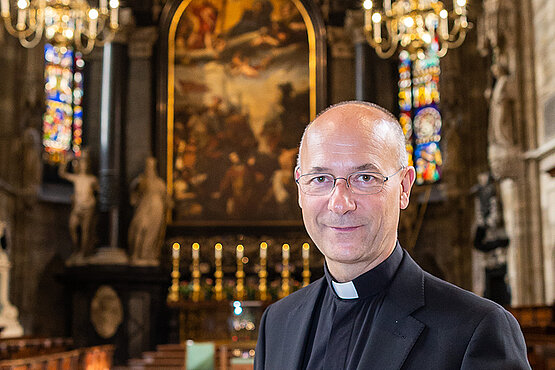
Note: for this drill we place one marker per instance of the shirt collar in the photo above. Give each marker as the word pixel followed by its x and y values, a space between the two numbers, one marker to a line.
pixel 371 282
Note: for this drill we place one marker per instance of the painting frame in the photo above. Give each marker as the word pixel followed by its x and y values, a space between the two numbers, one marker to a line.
pixel 167 109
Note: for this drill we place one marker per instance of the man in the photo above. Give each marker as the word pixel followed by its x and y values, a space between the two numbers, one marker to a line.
pixel 375 308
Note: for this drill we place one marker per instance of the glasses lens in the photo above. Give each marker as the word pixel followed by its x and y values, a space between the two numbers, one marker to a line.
pixel 366 182
pixel 316 184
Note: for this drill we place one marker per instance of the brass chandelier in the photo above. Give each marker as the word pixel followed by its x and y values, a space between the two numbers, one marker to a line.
pixel 414 25
pixel 63 22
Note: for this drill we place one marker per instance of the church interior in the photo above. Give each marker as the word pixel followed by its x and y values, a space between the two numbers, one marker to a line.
pixel 148 210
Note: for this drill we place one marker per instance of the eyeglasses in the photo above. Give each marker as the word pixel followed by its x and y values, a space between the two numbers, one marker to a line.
pixel 366 183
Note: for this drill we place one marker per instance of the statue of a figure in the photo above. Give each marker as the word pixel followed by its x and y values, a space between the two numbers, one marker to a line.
pixel 83 207
pixel 148 226
pixel 491 238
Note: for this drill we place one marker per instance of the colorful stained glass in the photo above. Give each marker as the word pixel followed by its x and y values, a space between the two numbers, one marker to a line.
pixel 405 100
pixel 420 117
pixel 63 118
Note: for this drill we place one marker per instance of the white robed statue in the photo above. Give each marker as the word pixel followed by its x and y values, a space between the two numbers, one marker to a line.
pixel 148 226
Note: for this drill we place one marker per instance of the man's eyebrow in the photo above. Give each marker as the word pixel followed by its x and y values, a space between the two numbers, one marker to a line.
pixel 363 167
pixel 367 167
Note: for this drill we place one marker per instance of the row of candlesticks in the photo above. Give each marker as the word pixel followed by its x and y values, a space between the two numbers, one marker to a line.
pixel 285 289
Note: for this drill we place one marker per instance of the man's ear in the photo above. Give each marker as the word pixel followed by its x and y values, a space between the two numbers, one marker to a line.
pixel 297 174
pixel 406 186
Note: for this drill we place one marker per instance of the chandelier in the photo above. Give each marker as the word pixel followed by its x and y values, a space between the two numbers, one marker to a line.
pixel 414 25
pixel 63 22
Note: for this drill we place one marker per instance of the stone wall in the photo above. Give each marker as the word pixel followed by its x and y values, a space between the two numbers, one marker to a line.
pixel 544 154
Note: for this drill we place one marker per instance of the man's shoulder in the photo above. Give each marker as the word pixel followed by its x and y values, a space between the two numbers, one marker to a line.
pixel 445 299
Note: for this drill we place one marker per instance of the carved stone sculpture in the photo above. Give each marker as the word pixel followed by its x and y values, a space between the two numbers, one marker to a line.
pixel 148 226
pixel 83 208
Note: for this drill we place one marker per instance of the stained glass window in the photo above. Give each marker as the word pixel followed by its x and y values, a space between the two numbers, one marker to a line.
pixel 420 116
pixel 63 118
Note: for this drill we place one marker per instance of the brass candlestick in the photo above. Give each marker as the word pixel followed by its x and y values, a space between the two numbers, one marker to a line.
pixel 263 273
pixel 306 264
pixel 285 271
pixel 173 295
pixel 196 273
pixel 240 275
pixel 218 274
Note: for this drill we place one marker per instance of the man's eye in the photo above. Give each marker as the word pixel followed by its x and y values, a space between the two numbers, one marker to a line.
pixel 319 179
pixel 365 177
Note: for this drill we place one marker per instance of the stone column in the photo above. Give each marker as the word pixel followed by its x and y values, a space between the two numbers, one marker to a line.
pixel 114 63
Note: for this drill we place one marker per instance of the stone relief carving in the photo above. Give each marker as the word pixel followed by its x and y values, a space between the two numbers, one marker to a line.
pixel 497 40
pixel 106 311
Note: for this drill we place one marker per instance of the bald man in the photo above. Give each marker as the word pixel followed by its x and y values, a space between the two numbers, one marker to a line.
pixel 375 308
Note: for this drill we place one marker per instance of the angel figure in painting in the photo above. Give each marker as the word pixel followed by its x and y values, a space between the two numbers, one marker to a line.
pixel 83 207
pixel 148 226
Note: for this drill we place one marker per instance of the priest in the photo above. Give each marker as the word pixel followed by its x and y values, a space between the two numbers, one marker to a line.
pixel 375 308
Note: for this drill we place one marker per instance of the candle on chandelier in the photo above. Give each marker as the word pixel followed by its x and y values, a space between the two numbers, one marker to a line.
pixel 5 6
pixel 114 4
pixel 376 19
pixel 263 250
pixel 240 250
pixel 93 15
pixel 387 6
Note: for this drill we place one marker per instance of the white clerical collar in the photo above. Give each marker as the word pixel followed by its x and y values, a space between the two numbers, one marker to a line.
pixel 345 290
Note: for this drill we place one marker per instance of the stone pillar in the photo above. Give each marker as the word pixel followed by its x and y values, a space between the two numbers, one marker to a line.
pixel 139 127
pixel 110 156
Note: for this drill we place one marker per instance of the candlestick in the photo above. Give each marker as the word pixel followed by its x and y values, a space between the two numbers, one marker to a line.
pixel 196 273
pixel 285 271
pixel 306 264
pixel 240 274
pixel 263 250
pixel 218 274
pixel 263 273
pixel 173 295
pixel 285 251
pixel 175 250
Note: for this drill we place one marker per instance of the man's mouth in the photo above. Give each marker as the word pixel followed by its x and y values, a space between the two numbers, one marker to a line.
pixel 344 228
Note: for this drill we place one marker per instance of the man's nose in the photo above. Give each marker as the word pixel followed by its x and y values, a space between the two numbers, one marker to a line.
pixel 341 198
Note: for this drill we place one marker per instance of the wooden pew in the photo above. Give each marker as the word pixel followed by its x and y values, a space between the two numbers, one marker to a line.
pixel 538 327
pixel 89 358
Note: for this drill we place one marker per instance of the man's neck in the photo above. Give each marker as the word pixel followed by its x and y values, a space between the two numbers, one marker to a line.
pixel 343 272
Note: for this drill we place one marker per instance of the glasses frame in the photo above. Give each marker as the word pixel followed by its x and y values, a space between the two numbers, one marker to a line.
pixel 347 184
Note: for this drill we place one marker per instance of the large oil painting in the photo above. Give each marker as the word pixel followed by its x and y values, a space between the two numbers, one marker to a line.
pixel 240 80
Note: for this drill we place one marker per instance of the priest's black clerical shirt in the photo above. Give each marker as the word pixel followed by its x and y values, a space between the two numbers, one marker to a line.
pixel 342 321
